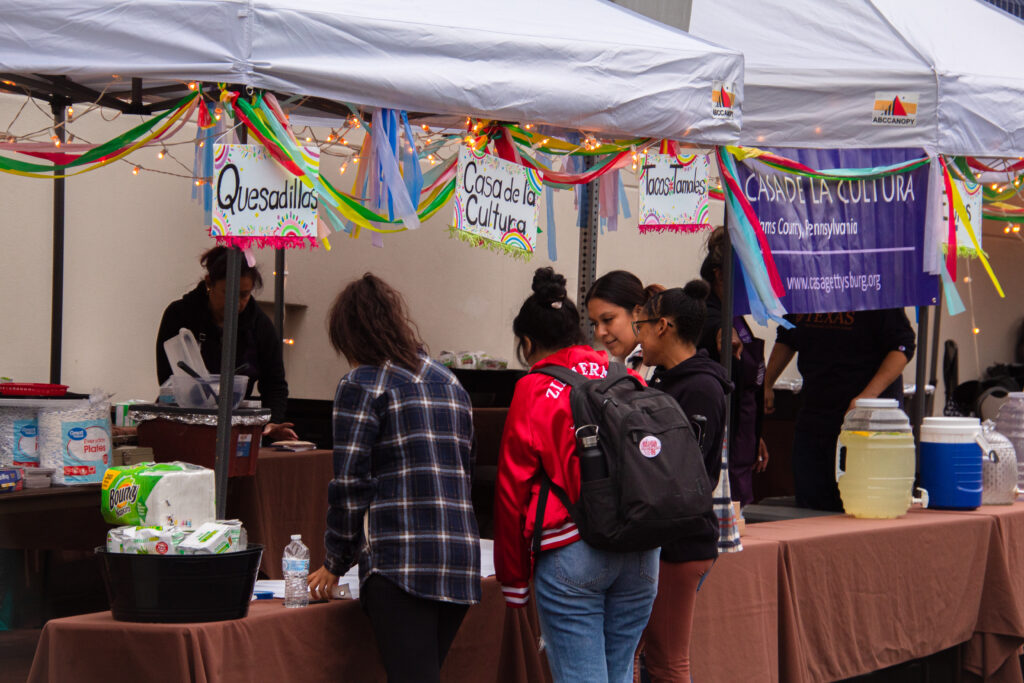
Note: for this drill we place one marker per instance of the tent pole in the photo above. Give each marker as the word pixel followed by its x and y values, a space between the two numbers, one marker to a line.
pixel 920 377
pixel 57 290
pixel 279 267
pixel 725 350
pixel 933 378
pixel 229 340
pixel 587 272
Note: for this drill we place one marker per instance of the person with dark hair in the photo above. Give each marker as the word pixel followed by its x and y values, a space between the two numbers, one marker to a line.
pixel 669 330
pixel 592 604
pixel 747 450
pixel 259 356
pixel 841 357
pixel 400 501
pixel 613 303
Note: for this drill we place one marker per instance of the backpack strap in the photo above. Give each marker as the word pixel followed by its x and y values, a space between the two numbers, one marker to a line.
pixel 562 374
pixel 546 486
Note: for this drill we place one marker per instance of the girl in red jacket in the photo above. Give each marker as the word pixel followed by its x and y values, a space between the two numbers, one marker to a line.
pixel 592 604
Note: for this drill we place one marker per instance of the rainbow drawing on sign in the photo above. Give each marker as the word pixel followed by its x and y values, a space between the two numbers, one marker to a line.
pixel 218 227
pixel 478 153
pixel 704 215
pixel 685 159
pixel 517 240
pixel 533 178
pixel 222 156
pixel 651 218
pixel 290 225
pixel 459 224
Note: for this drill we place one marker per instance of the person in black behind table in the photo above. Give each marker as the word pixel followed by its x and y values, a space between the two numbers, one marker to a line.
pixel 259 345
pixel 747 450
pixel 843 357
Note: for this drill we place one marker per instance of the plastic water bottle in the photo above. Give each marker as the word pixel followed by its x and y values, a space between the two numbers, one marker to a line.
pixel 295 566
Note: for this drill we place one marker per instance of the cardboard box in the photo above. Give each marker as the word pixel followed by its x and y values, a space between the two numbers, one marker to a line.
pixel 133 455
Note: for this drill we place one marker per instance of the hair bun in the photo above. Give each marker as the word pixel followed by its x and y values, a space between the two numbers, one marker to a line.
pixel 698 289
pixel 548 285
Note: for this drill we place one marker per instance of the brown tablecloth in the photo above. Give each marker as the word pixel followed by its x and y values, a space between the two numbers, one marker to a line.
pixel 858 595
pixel 287 495
pixel 991 653
pixel 326 642
pixel 736 620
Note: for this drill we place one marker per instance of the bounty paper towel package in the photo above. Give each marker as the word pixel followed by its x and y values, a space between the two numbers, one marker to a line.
pixel 163 494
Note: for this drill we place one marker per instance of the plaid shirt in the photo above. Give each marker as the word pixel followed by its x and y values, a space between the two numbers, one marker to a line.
pixel 400 500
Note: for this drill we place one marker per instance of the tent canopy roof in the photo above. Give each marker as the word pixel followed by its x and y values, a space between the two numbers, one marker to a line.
pixel 816 72
pixel 573 64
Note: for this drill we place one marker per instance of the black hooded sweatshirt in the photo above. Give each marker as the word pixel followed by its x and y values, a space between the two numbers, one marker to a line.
pixel 700 386
pixel 259 352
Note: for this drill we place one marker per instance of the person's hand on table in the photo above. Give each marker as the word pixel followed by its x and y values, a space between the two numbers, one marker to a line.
pixel 281 431
pixel 762 456
pixel 320 583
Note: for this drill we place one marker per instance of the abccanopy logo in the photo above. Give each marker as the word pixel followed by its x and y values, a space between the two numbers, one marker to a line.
pixel 895 109
pixel 723 99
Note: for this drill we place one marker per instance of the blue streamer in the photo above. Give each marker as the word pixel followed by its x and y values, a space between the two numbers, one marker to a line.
pixel 623 200
pixel 954 304
pixel 549 207
pixel 411 172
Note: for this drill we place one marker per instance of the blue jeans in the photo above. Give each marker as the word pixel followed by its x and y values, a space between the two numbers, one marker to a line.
pixel 593 606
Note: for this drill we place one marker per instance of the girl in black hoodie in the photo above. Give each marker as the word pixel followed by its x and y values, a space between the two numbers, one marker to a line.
pixel 669 330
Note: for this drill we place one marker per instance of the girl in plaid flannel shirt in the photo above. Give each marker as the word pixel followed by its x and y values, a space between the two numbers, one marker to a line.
pixel 400 501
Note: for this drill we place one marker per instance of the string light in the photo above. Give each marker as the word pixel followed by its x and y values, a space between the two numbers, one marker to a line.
pixel 544 142
pixel 966 279
pixel 425 127
pixel 355 160
pixel 288 341
pixel 217 113
pixel 309 138
pixel 135 170
pixel 191 86
pixel 976 330
pixel 330 137
pixel 202 142
pixel 199 182
pixel 55 139
pixel 161 154
pixel 995 187
pixel 1016 228
pixel 344 167
pixel 71 112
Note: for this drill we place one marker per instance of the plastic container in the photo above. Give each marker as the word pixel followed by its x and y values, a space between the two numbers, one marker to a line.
pixel 38 477
pixel 190 435
pixel 951 455
pixel 998 467
pixel 1010 423
pixel 180 588
pixel 190 392
pixel 876 476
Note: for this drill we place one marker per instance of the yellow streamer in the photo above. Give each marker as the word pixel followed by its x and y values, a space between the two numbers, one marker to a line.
pixel 961 213
pixel 741 153
pixel 141 143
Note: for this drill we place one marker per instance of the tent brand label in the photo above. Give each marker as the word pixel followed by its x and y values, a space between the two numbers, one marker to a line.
pixel 723 100
pixel 895 109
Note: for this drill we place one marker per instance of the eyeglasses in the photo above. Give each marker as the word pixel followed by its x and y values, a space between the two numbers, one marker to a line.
pixel 637 323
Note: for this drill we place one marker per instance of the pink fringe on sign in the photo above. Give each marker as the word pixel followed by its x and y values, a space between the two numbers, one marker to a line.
pixel 682 227
pixel 265 242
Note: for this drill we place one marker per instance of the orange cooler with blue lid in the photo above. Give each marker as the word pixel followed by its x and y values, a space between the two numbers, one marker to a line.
pixel 875 460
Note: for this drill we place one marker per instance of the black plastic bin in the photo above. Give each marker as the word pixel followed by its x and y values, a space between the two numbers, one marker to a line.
pixel 180 588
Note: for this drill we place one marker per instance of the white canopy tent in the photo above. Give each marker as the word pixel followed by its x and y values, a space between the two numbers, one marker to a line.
pixel 574 64
pixel 817 72
pixel 814 71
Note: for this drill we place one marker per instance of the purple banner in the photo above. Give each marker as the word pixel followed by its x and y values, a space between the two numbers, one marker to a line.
pixel 848 245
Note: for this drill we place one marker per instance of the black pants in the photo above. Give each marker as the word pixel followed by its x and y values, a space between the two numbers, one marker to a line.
pixel 814 471
pixel 413 634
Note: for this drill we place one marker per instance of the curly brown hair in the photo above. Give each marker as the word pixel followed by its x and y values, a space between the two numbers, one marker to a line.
pixel 369 324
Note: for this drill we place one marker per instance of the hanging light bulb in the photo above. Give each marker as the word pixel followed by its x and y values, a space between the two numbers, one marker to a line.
pixel 191 86
pixel 1006 230
pixel 71 112
pixel 217 113
pixel 330 137
pixel 135 170
pixel 976 331
pixel 425 127
pixel 355 160
pixel 309 138
pixel 199 182
pixel 344 167
pixel 1016 228
pixel 202 142
pixel 161 154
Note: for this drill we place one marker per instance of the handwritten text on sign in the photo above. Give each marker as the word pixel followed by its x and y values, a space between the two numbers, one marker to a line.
pixel 255 197
pixel 674 193
pixel 497 200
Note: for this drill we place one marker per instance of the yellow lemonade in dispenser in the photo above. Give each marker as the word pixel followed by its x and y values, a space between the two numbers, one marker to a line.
pixel 875 460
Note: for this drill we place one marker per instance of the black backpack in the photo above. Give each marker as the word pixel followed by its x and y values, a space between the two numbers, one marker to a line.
pixel 656 484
